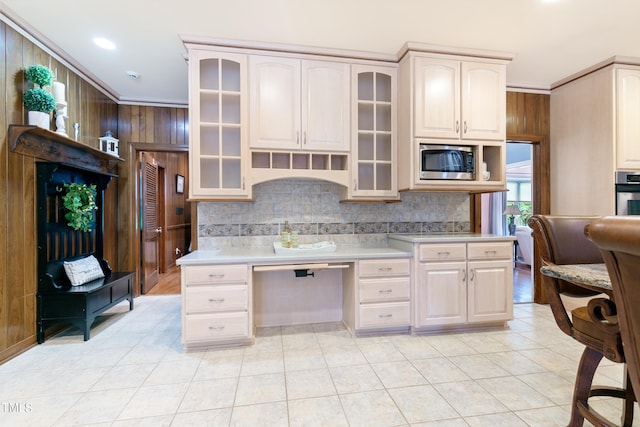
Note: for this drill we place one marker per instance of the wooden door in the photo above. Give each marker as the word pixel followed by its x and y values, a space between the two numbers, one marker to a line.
pixel 437 98
pixel 325 106
pixel 151 224
pixel 628 125
pixel 483 101
pixel 441 294
pixel 274 98
pixel 490 291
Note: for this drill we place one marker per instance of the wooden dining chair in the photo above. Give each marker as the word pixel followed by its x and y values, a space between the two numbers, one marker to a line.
pixel 561 240
pixel 618 238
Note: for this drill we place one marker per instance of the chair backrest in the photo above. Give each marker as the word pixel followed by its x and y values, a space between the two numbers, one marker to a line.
pixel 561 240
pixel 618 238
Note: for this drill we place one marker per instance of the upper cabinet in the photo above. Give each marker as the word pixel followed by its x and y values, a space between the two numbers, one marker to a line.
pixel 595 132
pixel 628 113
pixel 299 104
pixel 459 99
pixel 374 92
pixel 260 112
pixel 218 125
pixel 452 97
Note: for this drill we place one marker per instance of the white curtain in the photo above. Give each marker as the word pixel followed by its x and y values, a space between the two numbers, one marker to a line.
pixel 497 204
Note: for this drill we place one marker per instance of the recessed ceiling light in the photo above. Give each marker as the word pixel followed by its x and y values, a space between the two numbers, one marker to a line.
pixel 104 43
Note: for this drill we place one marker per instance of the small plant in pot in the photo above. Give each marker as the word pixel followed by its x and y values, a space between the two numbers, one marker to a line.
pixel 39 101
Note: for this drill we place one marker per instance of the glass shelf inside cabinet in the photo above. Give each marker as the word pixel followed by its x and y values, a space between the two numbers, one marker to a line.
pixel 374 160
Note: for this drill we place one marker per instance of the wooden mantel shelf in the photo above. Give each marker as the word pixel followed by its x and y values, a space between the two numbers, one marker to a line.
pixel 53 147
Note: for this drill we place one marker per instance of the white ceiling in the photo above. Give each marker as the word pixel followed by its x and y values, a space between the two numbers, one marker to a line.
pixel 550 40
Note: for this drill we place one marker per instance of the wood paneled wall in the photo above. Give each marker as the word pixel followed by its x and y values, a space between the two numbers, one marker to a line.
pixel 528 119
pixel 96 113
pixel 152 129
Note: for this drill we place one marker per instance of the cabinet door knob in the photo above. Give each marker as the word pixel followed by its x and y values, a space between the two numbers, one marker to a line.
pixel 465 126
pixel 457 126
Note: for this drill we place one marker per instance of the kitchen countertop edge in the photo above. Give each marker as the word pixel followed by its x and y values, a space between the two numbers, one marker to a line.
pixel 266 255
pixel 450 237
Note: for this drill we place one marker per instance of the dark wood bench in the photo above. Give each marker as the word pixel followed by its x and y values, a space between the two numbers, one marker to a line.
pixel 59 302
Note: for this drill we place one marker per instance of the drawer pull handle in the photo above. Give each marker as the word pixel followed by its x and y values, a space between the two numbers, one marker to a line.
pixel 218 300
pixel 216 328
pixel 385 316
pixel 216 275
pixel 447 253
pixel 491 252
pixel 385 291
pixel 385 268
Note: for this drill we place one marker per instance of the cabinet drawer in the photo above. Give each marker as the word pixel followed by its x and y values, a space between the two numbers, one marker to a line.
pixel 384 315
pixel 443 252
pixel 384 267
pixel 200 327
pixel 491 250
pixel 373 290
pixel 216 274
pixel 207 299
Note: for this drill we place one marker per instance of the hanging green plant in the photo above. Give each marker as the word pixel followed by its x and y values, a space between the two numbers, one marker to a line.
pixel 80 201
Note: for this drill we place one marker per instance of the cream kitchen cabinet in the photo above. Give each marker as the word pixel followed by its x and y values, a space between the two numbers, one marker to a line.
pixel 216 305
pixel 299 104
pixel 628 119
pixel 218 147
pixel 461 284
pixel 595 128
pixel 382 296
pixel 457 99
pixel 452 97
pixel 374 117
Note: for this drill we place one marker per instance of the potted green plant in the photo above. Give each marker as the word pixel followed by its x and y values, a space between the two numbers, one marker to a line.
pixel 39 101
pixel 80 202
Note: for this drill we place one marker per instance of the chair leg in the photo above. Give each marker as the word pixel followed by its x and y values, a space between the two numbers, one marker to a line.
pixel 586 369
pixel 629 401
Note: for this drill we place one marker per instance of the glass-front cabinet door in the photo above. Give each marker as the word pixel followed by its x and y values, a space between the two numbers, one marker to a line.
pixel 374 138
pixel 218 123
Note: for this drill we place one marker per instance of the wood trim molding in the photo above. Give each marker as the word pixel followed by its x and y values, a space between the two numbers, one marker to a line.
pixel 51 146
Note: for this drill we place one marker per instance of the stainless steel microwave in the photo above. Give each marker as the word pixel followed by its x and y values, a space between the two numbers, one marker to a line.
pixel 446 161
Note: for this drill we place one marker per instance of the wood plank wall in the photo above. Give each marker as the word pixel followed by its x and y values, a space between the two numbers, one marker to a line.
pixel 528 119
pixel 150 129
pixel 96 113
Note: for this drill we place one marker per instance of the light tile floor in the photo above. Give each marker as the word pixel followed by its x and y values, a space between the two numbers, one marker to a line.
pixel 133 372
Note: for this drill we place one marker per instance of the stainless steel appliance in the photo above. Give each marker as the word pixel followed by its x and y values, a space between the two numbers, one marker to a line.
pixel 446 161
pixel 627 193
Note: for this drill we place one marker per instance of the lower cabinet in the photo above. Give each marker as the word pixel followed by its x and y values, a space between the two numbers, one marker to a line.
pixel 383 292
pixel 463 284
pixel 216 303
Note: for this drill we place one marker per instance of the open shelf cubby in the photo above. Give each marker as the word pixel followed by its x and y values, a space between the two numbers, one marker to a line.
pixel 299 161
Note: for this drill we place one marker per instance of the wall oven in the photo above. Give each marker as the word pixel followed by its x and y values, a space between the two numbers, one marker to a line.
pixel 627 193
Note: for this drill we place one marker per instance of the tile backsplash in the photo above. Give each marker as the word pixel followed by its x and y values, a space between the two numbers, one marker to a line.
pixel 313 208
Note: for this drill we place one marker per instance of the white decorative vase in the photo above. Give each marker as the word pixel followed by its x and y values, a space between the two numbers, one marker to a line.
pixel 40 119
